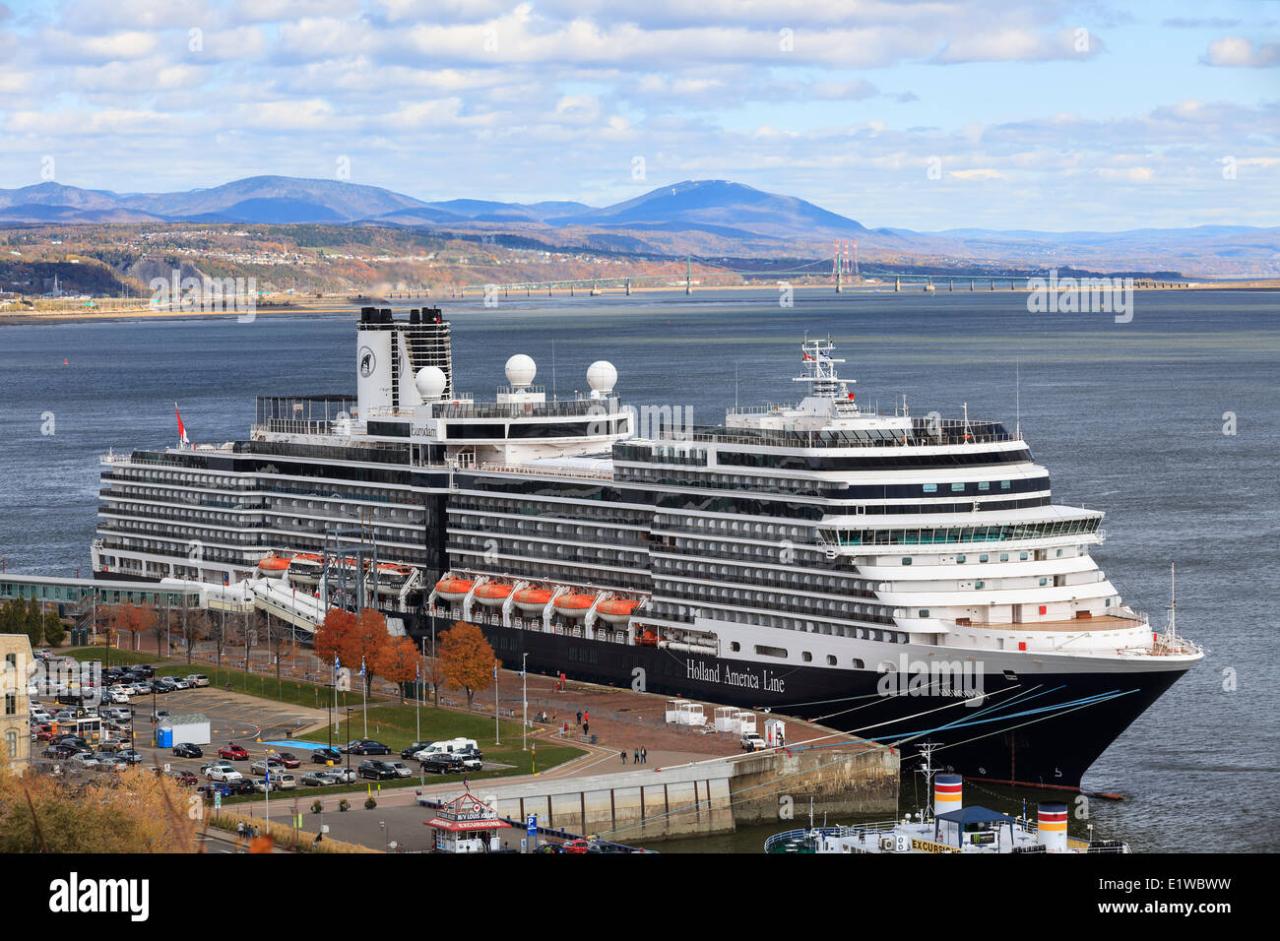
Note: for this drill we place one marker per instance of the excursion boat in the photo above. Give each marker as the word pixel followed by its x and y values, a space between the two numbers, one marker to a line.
pixel 947 827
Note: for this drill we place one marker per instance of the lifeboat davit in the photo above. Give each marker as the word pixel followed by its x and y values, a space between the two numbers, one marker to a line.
pixel 532 600
pixel 492 594
pixel 454 589
pixel 574 606
pixel 274 566
pixel 617 610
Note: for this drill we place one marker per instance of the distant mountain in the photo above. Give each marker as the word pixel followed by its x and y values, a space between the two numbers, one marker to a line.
pixel 700 217
pixel 719 206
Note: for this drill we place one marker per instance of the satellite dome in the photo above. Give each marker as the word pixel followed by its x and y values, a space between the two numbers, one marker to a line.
pixel 520 371
pixel 431 382
pixel 602 377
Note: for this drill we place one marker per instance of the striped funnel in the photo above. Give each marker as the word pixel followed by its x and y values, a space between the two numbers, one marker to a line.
pixel 947 793
pixel 1051 824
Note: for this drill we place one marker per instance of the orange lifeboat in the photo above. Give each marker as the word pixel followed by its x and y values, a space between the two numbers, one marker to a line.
pixel 273 566
pixel 492 594
pixel 617 610
pixel 574 606
pixel 453 589
pixel 532 600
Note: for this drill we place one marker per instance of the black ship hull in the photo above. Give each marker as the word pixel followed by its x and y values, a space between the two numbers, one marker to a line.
pixel 1042 729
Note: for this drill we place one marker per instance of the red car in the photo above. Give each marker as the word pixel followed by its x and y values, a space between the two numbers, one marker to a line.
pixel 289 760
pixel 233 752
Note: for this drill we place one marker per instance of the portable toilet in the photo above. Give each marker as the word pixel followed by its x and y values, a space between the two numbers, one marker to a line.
pixel 725 719
pixel 674 710
pixel 775 733
pixel 164 737
pixel 746 722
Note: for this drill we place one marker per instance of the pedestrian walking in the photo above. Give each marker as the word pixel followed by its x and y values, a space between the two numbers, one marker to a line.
pixel 644 755
pixel 579 717
pixel 623 755
pixel 635 756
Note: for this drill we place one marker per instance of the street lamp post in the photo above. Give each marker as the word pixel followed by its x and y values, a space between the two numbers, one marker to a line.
pixel 524 697
pixel 497 734
pixel 348 733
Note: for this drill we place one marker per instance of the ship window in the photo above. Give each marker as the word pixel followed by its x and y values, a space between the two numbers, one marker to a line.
pixel 734 646
pixel 1005 485
pixel 923 612
pixel 957 488
pixel 906 560
pixel 858 664
pixel 960 560
pixel 806 656
pixel 765 651
pixel 1004 557
pixel 930 488
pixel 1022 556
pixel 1044 581
pixel 984 558
pixel 831 660
pixel 979 584
pixel 984 485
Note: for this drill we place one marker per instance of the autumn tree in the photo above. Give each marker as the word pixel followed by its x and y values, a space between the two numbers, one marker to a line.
pixel 195 627
pixel 397 661
pixel 365 643
pixel 466 659
pixel 331 637
pixel 54 632
pixel 131 619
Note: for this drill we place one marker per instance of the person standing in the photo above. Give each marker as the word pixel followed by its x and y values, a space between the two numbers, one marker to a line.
pixel 623 755
pixel 644 755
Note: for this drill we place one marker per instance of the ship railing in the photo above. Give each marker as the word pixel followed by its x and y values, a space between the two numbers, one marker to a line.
pixel 532 471
pixel 837 832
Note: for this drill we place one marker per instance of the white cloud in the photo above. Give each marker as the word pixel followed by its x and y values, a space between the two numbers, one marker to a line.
pixel 1240 52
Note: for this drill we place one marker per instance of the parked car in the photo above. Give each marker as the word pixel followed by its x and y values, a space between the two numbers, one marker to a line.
pixel 130 756
pixel 443 763
pixel 319 778
pixel 343 775
pixel 197 680
pixel 401 769
pixel 325 755
pixel 187 750
pixel 367 746
pixel 289 760
pixel 233 752
pixel 119 696
pixel 84 759
pixel 472 758
pixel 222 771
pixel 413 749
pixel 377 770
pixel 279 782
pixel 144 670
pixel 752 741
pixel 187 778
pixel 262 765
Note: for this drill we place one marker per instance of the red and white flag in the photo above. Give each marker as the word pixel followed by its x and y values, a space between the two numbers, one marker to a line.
pixel 183 440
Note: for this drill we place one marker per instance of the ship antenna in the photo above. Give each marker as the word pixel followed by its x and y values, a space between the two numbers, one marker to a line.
pixel 1173 602
pixel 1017 399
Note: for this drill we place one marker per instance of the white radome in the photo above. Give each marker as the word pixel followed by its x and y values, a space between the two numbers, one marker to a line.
pixel 431 383
pixel 520 371
pixel 602 376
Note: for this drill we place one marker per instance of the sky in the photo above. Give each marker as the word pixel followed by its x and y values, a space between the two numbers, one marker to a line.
pixel 930 115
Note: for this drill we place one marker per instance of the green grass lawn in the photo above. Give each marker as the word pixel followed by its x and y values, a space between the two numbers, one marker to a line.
pixel 395 726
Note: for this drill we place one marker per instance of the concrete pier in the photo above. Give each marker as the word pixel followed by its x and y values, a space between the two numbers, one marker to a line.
pixel 710 796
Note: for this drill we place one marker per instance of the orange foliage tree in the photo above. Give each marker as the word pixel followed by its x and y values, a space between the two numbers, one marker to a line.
pixel 131 619
pixel 467 659
pixel 355 639
pixel 397 661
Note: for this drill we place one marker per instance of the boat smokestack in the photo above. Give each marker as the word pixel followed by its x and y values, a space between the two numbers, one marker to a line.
pixel 948 791
pixel 1051 825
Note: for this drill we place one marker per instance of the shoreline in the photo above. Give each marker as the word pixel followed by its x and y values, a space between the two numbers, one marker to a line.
pixel 80 315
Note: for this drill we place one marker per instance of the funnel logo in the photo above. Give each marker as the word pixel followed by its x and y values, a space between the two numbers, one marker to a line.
pixel 367 362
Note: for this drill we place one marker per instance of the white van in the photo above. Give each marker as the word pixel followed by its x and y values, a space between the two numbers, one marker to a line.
pixel 445 747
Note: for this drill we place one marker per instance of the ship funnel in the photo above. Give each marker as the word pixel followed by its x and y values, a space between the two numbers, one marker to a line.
pixel 947 793
pixel 1051 825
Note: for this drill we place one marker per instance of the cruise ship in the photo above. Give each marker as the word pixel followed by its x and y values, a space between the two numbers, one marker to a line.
pixel 900 577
